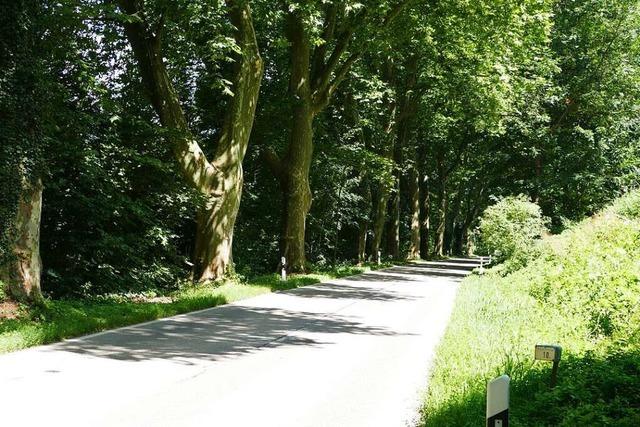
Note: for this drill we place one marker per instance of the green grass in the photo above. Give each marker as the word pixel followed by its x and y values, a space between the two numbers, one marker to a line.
pixel 582 292
pixel 61 319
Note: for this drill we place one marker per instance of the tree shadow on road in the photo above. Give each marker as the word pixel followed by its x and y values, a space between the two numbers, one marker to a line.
pixel 343 291
pixel 228 331
pixel 244 328
pixel 388 275
pixel 453 273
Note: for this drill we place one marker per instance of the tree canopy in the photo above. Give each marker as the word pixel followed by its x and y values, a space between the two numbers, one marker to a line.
pixel 171 140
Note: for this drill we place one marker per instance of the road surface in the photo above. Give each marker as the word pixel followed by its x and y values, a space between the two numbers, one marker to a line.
pixel 351 352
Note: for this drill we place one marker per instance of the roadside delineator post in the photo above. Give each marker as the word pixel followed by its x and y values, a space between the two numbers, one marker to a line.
pixel 283 273
pixel 498 402
pixel 550 353
pixel 379 257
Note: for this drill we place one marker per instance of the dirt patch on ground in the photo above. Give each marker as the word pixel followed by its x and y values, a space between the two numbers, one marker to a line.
pixel 9 310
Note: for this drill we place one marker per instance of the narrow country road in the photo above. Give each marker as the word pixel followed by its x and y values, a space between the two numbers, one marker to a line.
pixel 351 352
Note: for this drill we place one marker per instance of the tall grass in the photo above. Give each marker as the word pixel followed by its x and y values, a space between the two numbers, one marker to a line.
pixel 582 292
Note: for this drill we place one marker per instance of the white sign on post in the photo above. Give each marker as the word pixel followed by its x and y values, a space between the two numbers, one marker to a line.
pixel 550 353
pixel 498 402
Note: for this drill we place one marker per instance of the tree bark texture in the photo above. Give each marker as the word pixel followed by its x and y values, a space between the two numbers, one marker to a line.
pixel 295 166
pixel 362 241
pixel 425 225
pixel 315 75
pixel 383 191
pixel 393 223
pixel 21 273
pixel 442 207
pixel 442 222
pixel 382 198
pixel 363 224
pixel 452 224
pixel 219 182
pixel 414 190
pixel 408 110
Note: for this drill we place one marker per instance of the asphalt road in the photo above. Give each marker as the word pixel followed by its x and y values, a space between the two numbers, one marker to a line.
pixel 352 352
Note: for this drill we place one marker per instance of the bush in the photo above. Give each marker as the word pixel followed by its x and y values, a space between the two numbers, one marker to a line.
pixel 628 205
pixel 509 230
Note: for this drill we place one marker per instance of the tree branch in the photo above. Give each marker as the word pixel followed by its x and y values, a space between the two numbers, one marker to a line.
pixel 394 12
pixel 328 33
pixel 324 86
pixel 247 77
pixel 321 98
pixel 193 163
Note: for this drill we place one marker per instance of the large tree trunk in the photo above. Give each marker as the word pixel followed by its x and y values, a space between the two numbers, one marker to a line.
pixel 393 224
pixel 219 181
pixel 363 224
pixel 216 219
pixel 407 103
pixel 457 226
pixel 382 197
pixel 295 166
pixel 21 273
pixel 315 76
pixel 364 186
pixel 442 220
pixel 297 191
pixel 414 190
pixel 214 232
pixel 425 225
pixel 452 222
pixel 362 241
pixel 384 191
pixel 473 208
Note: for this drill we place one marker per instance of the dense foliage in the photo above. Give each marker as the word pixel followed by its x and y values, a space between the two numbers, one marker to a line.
pixel 582 292
pixel 417 116
pixel 509 230
pixel 150 146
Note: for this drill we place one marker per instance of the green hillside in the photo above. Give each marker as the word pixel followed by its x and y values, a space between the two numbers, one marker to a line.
pixel 582 291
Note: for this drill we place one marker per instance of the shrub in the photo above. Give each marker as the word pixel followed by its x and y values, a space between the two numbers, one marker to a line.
pixel 509 230
pixel 628 205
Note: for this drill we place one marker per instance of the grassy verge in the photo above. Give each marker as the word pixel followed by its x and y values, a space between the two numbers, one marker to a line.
pixel 61 319
pixel 582 292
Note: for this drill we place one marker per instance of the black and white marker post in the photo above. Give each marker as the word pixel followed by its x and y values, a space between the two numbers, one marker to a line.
pixel 498 402
pixel 283 263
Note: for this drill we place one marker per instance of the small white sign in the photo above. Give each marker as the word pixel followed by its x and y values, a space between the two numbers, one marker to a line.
pixel 549 353
pixel 497 396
